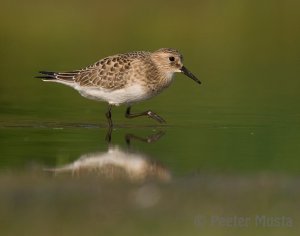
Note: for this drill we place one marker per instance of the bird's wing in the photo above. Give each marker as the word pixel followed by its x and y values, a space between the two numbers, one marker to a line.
pixel 109 73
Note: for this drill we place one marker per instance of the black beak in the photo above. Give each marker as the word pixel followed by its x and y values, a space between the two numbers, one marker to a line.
pixel 189 74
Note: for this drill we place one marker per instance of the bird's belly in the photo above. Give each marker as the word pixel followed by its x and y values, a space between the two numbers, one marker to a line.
pixel 130 94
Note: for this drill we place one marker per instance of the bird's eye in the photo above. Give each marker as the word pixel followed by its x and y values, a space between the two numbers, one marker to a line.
pixel 172 58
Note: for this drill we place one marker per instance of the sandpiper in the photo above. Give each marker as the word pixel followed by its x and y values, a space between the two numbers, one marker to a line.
pixel 125 79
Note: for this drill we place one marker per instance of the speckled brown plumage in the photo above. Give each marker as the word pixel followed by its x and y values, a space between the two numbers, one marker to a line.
pixel 111 72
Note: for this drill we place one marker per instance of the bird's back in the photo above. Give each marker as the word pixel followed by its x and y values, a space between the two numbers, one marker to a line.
pixel 112 72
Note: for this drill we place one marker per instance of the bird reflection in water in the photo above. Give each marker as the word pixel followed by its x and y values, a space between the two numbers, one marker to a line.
pixel 119 163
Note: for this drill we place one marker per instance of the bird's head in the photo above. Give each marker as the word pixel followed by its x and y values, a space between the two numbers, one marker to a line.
pixel 169 61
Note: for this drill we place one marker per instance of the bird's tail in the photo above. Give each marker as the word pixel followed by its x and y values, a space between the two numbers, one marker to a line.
pixel 57 76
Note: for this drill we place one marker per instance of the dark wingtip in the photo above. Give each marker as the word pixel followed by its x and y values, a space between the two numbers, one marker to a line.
pixel 46 75
pixel 46 72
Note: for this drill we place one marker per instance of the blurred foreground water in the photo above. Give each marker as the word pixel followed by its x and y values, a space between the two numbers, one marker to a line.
pixel 67 180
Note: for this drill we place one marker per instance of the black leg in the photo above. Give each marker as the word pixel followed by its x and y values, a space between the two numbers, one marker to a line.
pixel 148 113
pixel 108 116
